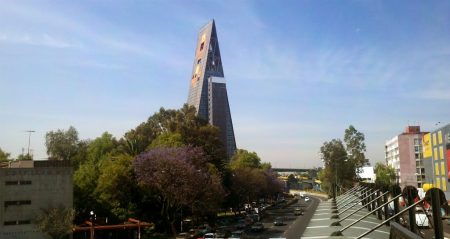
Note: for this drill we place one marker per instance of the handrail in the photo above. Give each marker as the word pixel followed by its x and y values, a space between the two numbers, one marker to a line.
pixel 355 202
pixel 387 220
pixel 348 198
pixel 360 207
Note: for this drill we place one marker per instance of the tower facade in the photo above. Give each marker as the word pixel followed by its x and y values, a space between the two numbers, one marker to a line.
pixel 207 91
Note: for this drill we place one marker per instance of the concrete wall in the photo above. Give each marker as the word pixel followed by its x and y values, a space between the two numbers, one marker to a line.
pixel 41 187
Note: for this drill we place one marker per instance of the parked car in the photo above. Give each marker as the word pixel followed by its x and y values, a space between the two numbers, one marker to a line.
pixel 278 221
pixel 298 211
pixel 222 233
pixel 209 235
pixel 306 199
pixel 257 227
pixel 237 234
pixel 422 218
pixel 241 224
pixel 255 217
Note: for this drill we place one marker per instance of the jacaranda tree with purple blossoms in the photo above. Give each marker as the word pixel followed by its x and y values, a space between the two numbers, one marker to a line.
pixel 181 177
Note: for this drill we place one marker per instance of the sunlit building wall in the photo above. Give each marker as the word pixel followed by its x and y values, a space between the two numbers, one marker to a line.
pixel 437 152
pixel 404 153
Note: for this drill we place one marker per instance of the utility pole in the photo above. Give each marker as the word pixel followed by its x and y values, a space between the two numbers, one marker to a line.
pixel 29 137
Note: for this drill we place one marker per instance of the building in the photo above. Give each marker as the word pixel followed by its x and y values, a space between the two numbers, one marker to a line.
pixel 366 174
pixel 207 91
pixel 404 153
pixel 436 153
pixel 26 187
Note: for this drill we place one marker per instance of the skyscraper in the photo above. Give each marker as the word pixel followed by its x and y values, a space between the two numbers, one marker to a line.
pixel 207 91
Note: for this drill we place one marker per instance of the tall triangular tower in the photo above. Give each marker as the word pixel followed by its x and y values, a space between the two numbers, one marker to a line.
pixel 207 91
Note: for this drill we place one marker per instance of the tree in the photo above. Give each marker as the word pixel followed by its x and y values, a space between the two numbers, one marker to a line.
pixel 355 146
pixel 4 156
pixel 251 184
pixel 167 139
pixel 338 169
pixel 24 157
pixel 117 187
pixel 101 147
pixel 181 177
pixel 385 174
pixel 245 159
pixel 62 145
pixel 55 222
pixel 91 156
pixel 166 126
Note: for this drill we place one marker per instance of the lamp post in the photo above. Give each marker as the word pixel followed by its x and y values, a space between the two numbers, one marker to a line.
pixel 29 138
pixel 345 158
pixel 92 224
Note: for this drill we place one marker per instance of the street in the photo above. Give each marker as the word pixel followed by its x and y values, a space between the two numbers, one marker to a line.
pixel 293 226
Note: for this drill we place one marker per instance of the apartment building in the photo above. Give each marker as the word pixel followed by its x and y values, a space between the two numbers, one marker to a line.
pixel 404 153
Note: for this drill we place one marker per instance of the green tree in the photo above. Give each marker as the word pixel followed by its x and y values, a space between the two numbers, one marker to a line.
pixel 24 157
pixel 117 187
pixel 167 139
pixel 166 127
pixel 4 156
pixel 86 177
pixel 355 146
pixel 385 174
pixel 338 169
pixel 55 222
pixel 245 159
pixel 62 145
pixel 101 147
pixel 84 184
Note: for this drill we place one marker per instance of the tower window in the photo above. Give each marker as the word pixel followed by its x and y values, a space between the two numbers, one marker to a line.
pixel 202 45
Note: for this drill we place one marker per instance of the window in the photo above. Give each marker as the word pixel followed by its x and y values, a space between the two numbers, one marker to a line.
pixel 444 185
pixel 436 169
pixel 440 137
pixel 18 182
pixel 17 203
pixel 199 60
pixel 18 222
pixel 434 139
pixel 443 169
pixel 201 46
pixel 416 142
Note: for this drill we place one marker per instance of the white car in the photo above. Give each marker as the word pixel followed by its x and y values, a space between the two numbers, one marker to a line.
pixel 306 199
pixel 209 235
pixel 422 218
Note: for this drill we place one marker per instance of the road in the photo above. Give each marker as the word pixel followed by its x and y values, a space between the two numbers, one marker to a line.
pixel 293 225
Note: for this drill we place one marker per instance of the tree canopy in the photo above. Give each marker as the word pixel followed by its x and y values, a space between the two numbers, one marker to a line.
pixel 4 156
pixel 62 144
pixel 180 178
pixel 245 159
pixel 55 221
pixel 343 159
pixel 173 161
pixel 355 146
pixel 385 174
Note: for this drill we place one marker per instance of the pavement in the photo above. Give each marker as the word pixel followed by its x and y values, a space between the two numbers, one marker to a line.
pixel 320 225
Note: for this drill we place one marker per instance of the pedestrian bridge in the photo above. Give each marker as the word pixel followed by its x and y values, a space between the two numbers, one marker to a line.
pixel 370 212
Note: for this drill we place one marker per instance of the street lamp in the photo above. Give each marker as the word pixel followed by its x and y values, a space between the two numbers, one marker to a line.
pixel 92 224
pixel 345 158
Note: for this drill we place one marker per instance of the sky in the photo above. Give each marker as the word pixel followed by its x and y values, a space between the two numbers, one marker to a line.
pixel 298 72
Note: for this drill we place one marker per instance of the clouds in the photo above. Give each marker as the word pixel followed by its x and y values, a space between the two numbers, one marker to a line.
pixel 37 40
pixel 298 73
